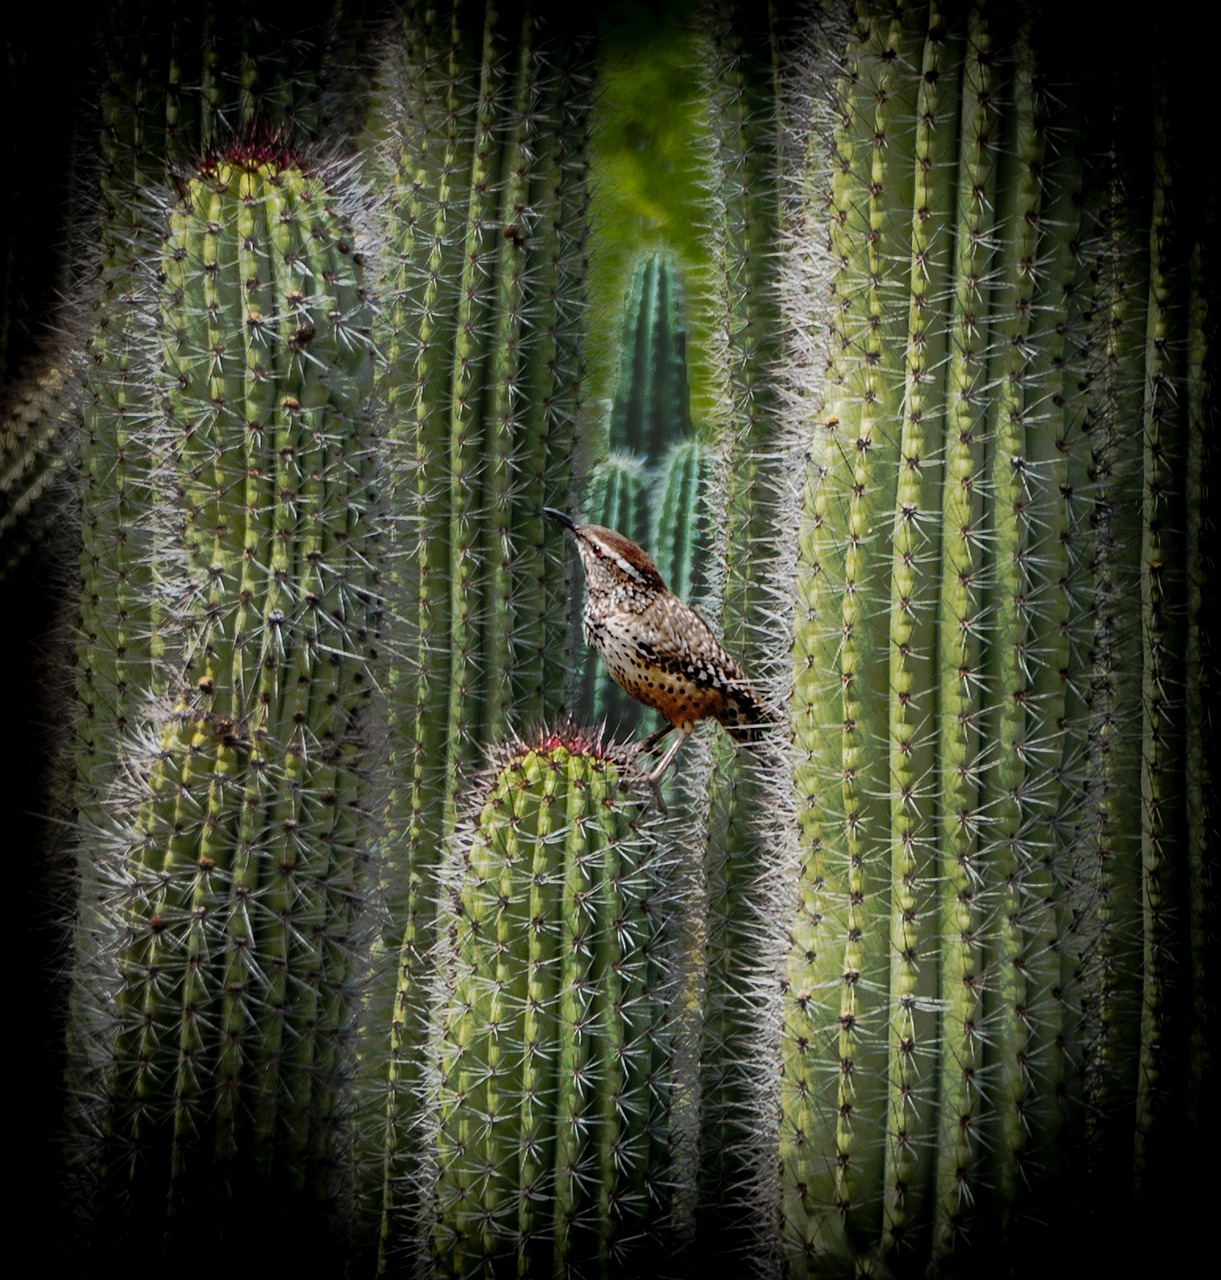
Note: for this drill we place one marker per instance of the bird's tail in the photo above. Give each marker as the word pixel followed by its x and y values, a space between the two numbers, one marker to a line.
pixel 745 717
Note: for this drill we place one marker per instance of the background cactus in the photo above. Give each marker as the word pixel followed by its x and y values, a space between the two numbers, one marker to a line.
pixel 37 413
pixel 942 974
pixel 646 482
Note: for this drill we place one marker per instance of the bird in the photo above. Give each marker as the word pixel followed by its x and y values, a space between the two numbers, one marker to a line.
pixel 656 648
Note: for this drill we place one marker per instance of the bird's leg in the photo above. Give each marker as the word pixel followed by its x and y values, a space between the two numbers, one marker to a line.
pixel 654 777
pixel 653 739
pixel 667 760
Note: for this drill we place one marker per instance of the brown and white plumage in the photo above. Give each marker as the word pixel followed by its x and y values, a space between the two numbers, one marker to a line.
pixel 658 649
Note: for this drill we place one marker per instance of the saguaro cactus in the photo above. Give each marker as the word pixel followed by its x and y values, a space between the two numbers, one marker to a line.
pixel 231 876
pixel 983 750
pixel 550 1089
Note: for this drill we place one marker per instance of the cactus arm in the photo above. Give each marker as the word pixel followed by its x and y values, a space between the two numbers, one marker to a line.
pixel 1200 530
pixel 739 309
pixel 807 1133
pixel 563 356
pixel 874 373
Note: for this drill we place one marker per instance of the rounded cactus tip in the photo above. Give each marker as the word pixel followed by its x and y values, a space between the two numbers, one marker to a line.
pixel 568 737
pixel 259 147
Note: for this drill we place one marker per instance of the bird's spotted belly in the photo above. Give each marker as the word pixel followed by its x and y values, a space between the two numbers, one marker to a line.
pixel 681 699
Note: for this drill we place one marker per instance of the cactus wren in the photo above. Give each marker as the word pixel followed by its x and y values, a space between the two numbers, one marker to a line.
pixel 657 648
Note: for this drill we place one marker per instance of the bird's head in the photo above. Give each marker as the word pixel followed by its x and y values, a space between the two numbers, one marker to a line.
pixel 609 559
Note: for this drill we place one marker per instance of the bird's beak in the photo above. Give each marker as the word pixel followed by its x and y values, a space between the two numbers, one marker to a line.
pixel 567 521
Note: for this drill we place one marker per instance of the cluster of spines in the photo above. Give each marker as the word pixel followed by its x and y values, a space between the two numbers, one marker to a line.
pixel 549 1089
pixel 226 941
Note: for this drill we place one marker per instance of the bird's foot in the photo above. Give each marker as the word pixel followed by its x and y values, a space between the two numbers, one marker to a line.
pixel 655 798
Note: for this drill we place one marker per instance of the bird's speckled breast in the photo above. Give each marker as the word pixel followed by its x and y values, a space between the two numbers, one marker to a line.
pixel 666 656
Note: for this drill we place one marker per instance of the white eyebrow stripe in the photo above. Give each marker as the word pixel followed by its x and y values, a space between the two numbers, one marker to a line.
pixel 629 569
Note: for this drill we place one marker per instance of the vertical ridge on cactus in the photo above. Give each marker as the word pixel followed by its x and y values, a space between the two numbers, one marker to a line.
pixel 961 631
pixel 1111 832
pixel 675 529
pixel 651 404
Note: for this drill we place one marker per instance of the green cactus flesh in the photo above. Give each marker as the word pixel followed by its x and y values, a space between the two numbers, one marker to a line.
pixel 651 404
pixel 674 532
